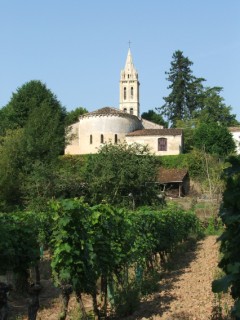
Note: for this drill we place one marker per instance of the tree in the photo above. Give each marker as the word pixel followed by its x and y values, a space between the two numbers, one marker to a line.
pixel 183 99
pixel 230 240
pixel 188 127
pixel 214 109
pixel 121 174
pixel 214 139
pixel 11 162
pixel 154 117
pixel 28 97
pixel 37 122
pixel 73 116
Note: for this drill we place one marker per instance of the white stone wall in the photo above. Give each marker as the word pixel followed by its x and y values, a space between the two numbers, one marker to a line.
pixel 174 143
pixel 150 125
pixel 95 126
pixel 73 139
pixel 236 138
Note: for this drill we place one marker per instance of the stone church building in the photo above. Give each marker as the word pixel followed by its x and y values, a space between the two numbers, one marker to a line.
pixel 123 124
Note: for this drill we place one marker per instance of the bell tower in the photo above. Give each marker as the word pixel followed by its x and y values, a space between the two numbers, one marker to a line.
pixel 129 88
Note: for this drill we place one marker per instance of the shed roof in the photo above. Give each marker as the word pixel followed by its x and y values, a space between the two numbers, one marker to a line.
pixel 171 175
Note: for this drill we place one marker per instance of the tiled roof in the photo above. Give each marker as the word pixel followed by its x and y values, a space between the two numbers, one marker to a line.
pixel 171 175
pixel 107 111
pixel 156 132
pixel 234 129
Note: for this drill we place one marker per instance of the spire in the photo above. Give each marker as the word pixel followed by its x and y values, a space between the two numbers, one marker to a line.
pixel 129 66
pixel 129 87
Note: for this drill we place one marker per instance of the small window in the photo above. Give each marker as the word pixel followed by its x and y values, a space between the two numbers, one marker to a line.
pixel 125 110
pixel 131 92
pixel 131 110
pixel 125 93
pixel 162 144
pixel 102 138
pixel 90 138
pixel 115 139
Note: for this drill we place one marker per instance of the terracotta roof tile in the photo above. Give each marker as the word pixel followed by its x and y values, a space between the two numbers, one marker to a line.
pixel 107 111
pixel 156 132
pixel 171 175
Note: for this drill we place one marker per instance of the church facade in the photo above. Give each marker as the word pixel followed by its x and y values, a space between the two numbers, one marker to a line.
pixel 124 124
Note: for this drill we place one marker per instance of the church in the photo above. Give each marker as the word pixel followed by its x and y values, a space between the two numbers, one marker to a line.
pixel 123 124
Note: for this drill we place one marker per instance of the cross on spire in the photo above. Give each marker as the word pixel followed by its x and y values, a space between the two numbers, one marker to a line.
pixel 129 44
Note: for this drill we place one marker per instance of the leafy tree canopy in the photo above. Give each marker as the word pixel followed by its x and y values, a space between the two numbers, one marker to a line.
pixel 214 139
pixel 120 174
pixel 214 109
pixel 28 97
pixel 32 140
pixel 155 117
pixel 73 116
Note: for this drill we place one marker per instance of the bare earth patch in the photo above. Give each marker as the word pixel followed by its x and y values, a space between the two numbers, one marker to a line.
pixel 186 292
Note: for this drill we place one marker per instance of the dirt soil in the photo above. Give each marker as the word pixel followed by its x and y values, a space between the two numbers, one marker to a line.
pixel 184 290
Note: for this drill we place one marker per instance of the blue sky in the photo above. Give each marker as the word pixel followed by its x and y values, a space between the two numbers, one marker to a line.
pixel 79 47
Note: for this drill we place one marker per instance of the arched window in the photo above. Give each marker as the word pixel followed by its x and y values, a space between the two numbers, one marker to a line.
pixel 102 138
pixel 162 144
pixel 131 92
pixel 131 110
pixel 115 139
pixel 125 93
pixel 125 110
pixel 90 138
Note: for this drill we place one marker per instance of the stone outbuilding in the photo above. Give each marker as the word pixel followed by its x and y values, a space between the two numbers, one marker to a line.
pixel 175 182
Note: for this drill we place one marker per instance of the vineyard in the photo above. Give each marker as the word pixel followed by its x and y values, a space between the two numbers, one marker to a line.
pixel 101 250
pixel 114 255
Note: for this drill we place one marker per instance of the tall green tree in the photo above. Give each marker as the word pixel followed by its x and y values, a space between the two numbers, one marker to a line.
pixel 35 125
pixel 213 108
pixel 28 97
pixel 184 97
pixel 11 161
pixel 155 117
pixel 214 138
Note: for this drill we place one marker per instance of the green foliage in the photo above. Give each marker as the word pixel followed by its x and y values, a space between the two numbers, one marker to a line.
pixel 72 245
pixel 214 226
pixel 44 133
pixel 69 177
pixel 29 96
pixel 73 116
pixel 190 100
pixel 155 117
pixel 230 240
pixel 33 136
pixel 188 127
pixel 19 247
pixel 214 109
pixel 11 162
pixel 103 241
pixel 214 138
pixel 184 97
pixel 192 161
pixel 120 174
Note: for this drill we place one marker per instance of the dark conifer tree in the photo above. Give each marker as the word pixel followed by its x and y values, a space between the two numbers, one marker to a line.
pixel 185 89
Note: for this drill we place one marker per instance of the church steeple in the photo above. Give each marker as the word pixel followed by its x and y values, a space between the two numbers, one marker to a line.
pixel 129 87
